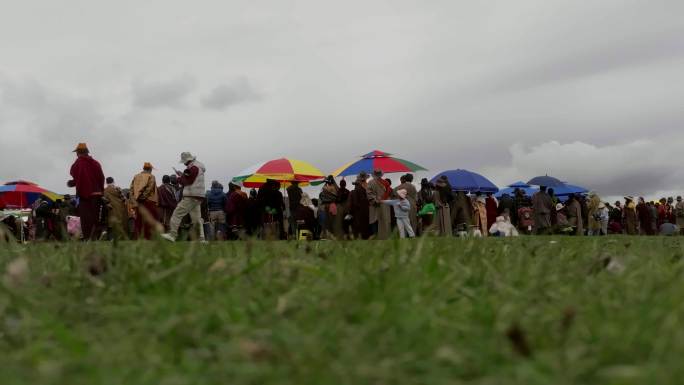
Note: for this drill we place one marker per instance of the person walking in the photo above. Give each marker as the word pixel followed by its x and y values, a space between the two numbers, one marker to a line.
pixel 216 203
pixel 378 214
pixel 117 214
pixel 402 209
pixel 192 180
pixel 144 199
pixel 88 179
pixel 167 201
pixel 359 208
pixel 542 206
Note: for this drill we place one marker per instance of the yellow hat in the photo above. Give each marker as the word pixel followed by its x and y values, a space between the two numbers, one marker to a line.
pixel 81 147
pixel 147 165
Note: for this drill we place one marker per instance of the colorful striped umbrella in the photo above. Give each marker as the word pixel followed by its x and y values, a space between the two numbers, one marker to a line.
pixel 22 194
pixel 282 170
pixel 377 160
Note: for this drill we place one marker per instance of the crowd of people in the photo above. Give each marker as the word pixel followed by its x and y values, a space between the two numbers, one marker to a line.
pixel 181 208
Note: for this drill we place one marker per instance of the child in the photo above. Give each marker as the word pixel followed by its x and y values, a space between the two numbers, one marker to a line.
pixel 401 211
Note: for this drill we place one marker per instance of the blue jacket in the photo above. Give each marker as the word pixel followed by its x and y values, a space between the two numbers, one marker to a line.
pixel 401 207
pixel 216 199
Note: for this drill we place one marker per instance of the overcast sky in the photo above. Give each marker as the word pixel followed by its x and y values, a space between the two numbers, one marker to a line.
pixel 588 91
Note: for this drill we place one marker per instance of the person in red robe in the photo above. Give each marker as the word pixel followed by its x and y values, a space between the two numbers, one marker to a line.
pixel 645 218
pixel 492 207
pixel 88 179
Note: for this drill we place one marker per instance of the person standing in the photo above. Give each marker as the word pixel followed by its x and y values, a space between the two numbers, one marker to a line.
pixel 402 208
pixel 328 198
pixel 594 219
pixel 88 179
pixel 167 201
pixel 630 215
pixel 117 215
pixel 679 214
pixel 574 210
pixel 144 199
pixel 443 200
pixel 412 196
pixel 426 206
pixel 359 208
pixel 216 203
pixel 378 214
pixel 294 197
pixel 236 212
pixel 645 219
pixel 492 206
pixel 480 216
pixel 192 180
pixel 542 206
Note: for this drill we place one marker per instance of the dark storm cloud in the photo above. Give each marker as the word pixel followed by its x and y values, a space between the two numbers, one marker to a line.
pixel 170 93
pixel 227 95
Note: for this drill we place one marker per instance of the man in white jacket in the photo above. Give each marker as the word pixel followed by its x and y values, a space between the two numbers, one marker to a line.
pixel 192 180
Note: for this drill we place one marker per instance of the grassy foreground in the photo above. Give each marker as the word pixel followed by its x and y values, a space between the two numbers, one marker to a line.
pixel 436 311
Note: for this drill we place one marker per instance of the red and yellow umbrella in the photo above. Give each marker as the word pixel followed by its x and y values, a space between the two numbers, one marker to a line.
pixel 283 170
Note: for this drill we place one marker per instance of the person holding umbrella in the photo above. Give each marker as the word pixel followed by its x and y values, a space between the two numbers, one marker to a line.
pixel 89 180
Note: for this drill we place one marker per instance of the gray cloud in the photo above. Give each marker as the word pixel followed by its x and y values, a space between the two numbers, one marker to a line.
pixel 446 84
pixel 227 95
pixel 171 93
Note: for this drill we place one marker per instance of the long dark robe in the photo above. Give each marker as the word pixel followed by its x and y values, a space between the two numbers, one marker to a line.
pixel 492 210
pixel 358 208
pixel 645 219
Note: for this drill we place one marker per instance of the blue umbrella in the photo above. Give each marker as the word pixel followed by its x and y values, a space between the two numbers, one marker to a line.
pixel 510 190
pixel 519 184
pixel 545 180
pixel 464 180
pixel 568 189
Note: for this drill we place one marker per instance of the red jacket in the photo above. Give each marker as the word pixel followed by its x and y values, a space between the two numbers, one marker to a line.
pixel 88 177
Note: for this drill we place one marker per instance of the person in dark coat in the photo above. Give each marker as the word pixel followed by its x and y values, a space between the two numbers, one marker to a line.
pixel 507 206
pixel 167 201
pixel 492 207
pixel 359 209
pixel 236 212
pixel 272 207
pixel 462 211
pixel 645 219
pixel 89 180
pixel 426 196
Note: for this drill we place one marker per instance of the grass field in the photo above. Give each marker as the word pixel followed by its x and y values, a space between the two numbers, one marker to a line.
pixel 437 311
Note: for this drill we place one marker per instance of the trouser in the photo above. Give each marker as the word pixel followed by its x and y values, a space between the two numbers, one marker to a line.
pixel 165 217
pixel 145 219
pixel 404 227
pixel 89 210
pixel 217 219
pixel 187 205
